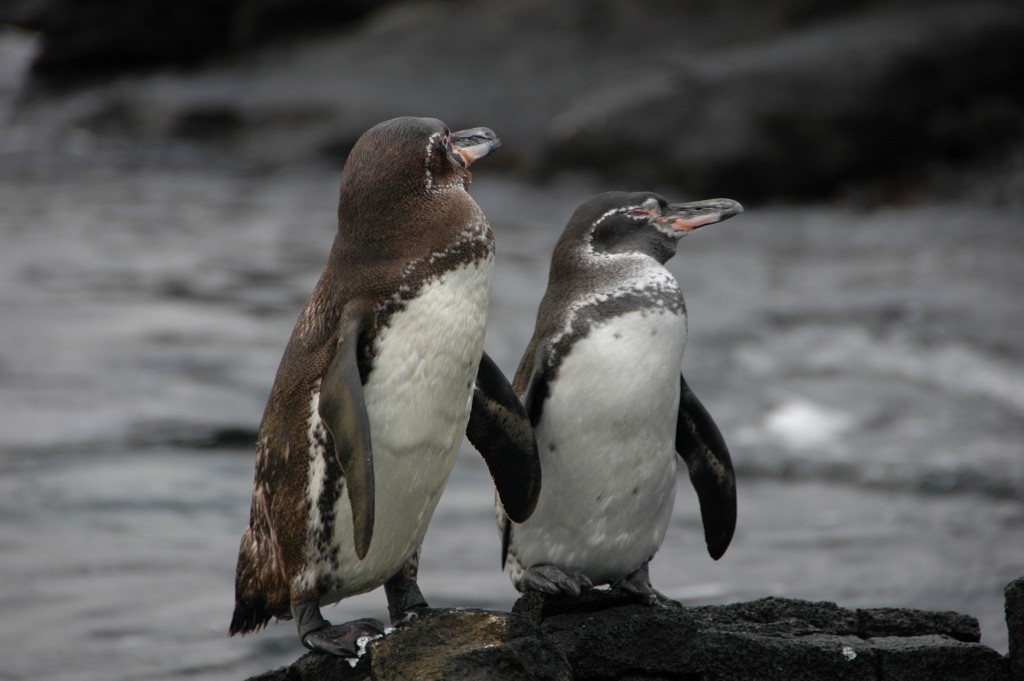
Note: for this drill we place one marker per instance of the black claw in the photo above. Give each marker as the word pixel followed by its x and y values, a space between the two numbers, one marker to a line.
pixel 409 617
pixel 638 585
pixel 648 595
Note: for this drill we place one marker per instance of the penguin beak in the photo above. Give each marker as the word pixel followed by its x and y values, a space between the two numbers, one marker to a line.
pixel 473 144
pixel 686 217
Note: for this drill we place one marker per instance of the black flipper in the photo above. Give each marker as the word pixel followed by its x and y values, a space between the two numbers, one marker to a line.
pixel 343 412
pixel 505 528
pixel 536 392
pixel 500 430
pixel 700 444
pixel 532 382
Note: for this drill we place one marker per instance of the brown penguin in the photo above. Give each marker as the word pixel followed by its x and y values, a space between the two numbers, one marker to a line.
pixel 383 373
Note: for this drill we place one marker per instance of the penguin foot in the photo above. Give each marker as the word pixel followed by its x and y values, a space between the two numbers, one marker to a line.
pixel 405 601
pixel 553 580
pixel 409 617
pixel 318 634
pixel 651 596
pixel 343 639
pixel 638 585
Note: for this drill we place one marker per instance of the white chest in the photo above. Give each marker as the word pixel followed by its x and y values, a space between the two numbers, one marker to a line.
pixel 425 363
pixel 607 447
pixel 418 398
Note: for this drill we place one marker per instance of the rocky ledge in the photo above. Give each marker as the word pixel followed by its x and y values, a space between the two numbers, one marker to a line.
pixel 604 636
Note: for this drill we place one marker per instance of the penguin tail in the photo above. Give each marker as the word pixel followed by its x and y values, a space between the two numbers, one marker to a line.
pixel 253 609
pixel 249 616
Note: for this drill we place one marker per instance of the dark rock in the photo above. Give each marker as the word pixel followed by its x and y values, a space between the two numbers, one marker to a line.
pixel 106 36
pixel 620 638
pixel 778 100
pixel 786 614
pixel 318 667
pixel 96 38
pixel 468 644
pixel 256 21
pixel 881 94
pixel 1015 624
pixel 604 635
pixel 877 622
pixel 927 658
pixel 471 645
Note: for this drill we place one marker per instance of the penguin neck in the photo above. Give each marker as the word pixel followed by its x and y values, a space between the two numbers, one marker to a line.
pixel 375 263
pixel 611 282
pixel 607 271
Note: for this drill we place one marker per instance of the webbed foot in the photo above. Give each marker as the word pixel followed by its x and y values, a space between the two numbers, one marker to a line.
pixel 638 585
pixel 318 634
pixel 405 601
pixel 343 639
pixel 553 580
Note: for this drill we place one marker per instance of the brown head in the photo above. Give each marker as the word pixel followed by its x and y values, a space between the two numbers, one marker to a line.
pixel 401 165
pixel 403 196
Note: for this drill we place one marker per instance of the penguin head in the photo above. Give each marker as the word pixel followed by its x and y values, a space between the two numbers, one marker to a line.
pixel 408 159
pixel 642 222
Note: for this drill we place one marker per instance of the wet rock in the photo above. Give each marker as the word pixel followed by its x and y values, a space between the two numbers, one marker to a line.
pixel 604 635
pixel 97 38
pixel 470 645
pixel 1015 624
pixel 931 658
pixel 879 622
pixel 317 667
pixel 878 94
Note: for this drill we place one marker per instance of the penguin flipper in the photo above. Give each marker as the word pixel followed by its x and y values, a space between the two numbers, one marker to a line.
pixel 505 530
pixel 500 430
pixel 343 411
pixel 702 447
pixel 531 381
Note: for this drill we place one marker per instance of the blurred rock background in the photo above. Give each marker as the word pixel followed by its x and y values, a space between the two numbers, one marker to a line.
pixel 787 99
pixel 168 180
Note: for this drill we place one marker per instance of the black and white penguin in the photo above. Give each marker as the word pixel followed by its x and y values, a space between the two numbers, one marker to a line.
pixel 602 386
pixel 384 372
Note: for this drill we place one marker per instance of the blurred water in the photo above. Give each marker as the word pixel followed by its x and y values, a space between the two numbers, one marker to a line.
pixel 865 367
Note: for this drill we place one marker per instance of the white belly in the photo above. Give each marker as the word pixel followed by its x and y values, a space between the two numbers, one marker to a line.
pixel 418 399
pixel 607 447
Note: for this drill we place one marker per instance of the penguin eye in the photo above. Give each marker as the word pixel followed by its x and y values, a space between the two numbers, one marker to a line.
pixel 639 214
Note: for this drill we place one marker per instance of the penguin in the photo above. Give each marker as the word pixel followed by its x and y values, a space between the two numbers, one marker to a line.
pixel 384 372
pixel 601 384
